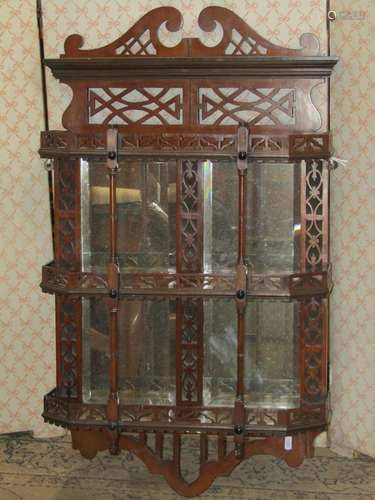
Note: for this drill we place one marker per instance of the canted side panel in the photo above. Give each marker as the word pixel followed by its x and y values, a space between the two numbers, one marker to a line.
pixel 314 217
pixel 314 258
pixel 313 350
pixel 67 215
pixel 68 346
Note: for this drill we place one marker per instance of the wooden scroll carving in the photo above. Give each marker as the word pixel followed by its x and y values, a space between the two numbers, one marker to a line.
pixel 143 38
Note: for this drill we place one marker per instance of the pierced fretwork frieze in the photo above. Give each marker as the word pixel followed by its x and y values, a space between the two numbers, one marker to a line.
pixel 64 142
pixel 74 412
pixel 255 106
pixel 141 105
pixel 268 145
pixel 178 142
pixel 56 280
pixel 309 146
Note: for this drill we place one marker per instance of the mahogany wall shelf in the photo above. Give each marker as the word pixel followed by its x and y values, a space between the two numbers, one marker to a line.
pixel 191 267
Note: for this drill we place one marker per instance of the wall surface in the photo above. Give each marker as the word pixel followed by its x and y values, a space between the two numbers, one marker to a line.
pixel 27 368
pixel 26 318
pixel 353 232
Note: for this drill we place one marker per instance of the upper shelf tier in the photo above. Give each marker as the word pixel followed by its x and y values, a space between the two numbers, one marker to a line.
pixel 241 52
pixel 137 83
pixel 111 68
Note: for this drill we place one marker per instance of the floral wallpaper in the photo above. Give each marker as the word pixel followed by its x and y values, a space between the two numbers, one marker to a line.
pixel 27 325
pixel 353 233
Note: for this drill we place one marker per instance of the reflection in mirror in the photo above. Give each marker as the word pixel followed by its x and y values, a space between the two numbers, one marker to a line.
pixel 95 350
pixel 271 353
pixel 146 209
pixel 146 351
pixel 220 215
pixel 220 352
pixel 273 217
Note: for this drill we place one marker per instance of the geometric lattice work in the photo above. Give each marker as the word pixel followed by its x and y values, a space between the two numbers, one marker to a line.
pixel 141 46
pixel 243 46
pixel 260 106
pixel 143 106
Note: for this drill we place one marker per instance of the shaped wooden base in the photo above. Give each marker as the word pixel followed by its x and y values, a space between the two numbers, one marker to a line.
pixel 293 449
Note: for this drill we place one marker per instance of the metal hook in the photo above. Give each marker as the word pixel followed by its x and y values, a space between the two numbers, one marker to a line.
pixel 48 165
pixel 331 15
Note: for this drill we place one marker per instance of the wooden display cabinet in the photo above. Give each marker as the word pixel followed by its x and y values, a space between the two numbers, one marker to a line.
pixel 191 267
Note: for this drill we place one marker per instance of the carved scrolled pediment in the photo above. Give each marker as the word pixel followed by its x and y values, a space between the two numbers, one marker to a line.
pixel 143 38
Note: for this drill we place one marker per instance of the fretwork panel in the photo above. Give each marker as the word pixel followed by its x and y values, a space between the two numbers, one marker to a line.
pixel 141 106
pixel 256 106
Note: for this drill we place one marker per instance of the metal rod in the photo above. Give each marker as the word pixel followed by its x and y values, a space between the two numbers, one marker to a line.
pixel 39 17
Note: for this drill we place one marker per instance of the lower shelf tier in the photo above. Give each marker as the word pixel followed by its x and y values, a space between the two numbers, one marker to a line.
pixel 75 415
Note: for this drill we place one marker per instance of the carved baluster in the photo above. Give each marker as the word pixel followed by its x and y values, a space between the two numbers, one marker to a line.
pixel 203 448
pixel 159 444
pixel 221 446
pixel 177 453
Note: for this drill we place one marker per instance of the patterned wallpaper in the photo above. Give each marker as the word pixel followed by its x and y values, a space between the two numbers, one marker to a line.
pixel 27 316
pixel 353 233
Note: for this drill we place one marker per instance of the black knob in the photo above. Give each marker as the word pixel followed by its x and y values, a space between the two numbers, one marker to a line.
pixel 242 155
pixel 113 293
pixel 240 294
pixel 112 155
pixel 238 429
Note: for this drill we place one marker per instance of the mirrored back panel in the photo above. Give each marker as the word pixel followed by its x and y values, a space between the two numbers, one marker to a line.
pixel 150 359
pixel 149 202
pixel 273 217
